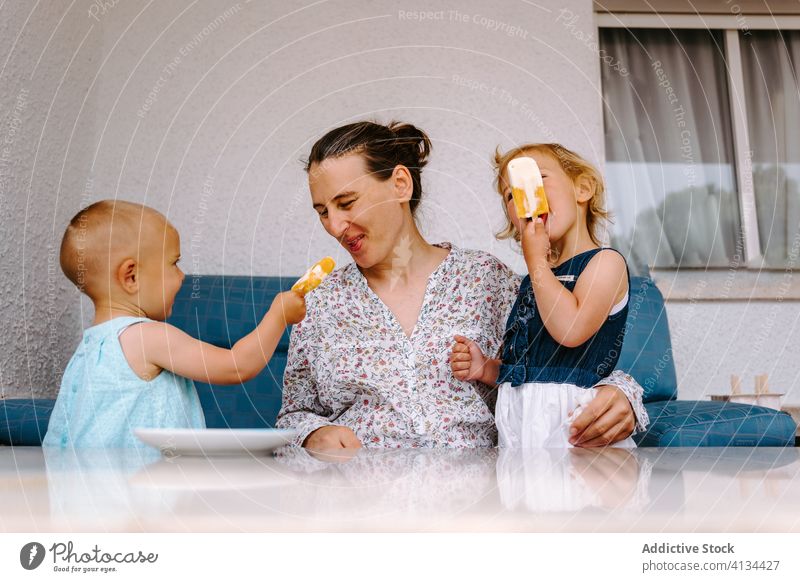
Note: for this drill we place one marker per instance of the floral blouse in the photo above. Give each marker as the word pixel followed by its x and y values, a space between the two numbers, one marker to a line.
pixel 350 362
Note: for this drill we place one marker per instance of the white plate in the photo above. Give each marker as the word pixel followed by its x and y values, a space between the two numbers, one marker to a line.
pixel 173 442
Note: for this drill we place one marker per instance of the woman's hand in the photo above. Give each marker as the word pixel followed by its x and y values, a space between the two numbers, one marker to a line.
pixel 332 437
pixel 467 360
pixel 607 419
pixel 612 474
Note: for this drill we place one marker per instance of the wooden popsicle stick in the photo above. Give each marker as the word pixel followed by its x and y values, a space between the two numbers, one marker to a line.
pixel 736 385
pixel 761 384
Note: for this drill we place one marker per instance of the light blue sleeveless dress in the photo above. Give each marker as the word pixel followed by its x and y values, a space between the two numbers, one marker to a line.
pixel 102 400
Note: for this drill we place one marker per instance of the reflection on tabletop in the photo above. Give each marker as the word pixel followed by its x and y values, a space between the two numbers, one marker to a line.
pixel 403 490
pixel 570 479
pixel 90 487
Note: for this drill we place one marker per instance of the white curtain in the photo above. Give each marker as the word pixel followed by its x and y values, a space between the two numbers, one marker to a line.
pixel 669 153
pixel 771 61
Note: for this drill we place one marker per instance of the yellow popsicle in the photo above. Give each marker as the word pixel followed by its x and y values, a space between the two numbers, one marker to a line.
pixel 314 276
pixel 527 188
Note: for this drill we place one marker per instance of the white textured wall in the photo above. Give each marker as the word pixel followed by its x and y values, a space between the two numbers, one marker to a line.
pixel 219 149
pixel 47 129
pixel 204 110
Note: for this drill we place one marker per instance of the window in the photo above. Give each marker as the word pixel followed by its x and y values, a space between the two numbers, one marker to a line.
pixel 702 132
pixel 771 66
pixel 669 148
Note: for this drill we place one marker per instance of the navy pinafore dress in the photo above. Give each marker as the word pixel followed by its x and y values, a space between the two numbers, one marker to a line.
pixel 542 382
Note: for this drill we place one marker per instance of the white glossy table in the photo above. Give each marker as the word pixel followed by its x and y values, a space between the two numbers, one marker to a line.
pixel 669 490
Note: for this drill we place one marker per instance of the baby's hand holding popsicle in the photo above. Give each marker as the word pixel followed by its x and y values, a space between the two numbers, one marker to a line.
pixel 291 306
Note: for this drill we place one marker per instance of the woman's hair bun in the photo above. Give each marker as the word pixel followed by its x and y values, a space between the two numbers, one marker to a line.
pixel 414 137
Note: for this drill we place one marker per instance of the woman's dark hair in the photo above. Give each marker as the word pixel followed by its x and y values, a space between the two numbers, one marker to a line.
pixel 383 147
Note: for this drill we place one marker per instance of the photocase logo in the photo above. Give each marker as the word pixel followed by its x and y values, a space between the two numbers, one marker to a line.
pixel 31 555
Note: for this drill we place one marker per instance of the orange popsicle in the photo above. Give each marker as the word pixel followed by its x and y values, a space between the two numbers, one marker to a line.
pixel 314 276
pixel 527 188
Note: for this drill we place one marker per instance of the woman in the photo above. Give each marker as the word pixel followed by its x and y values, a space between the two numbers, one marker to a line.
pixel 370 363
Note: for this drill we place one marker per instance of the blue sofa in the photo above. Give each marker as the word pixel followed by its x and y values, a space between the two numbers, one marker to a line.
pixel 220 310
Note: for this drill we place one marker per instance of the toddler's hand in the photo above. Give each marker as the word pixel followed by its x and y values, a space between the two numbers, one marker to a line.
pixel 535 245
pixel 467 360
pixel 291 305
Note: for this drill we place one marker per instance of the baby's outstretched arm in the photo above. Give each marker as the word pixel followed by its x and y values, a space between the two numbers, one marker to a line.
pixel 572 318
pixel 152 346
pixel 468 362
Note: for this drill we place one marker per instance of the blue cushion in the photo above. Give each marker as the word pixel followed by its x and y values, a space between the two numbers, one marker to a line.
pixel 699 423
pixel 221 310
pixel 23 421
pixel 647 351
